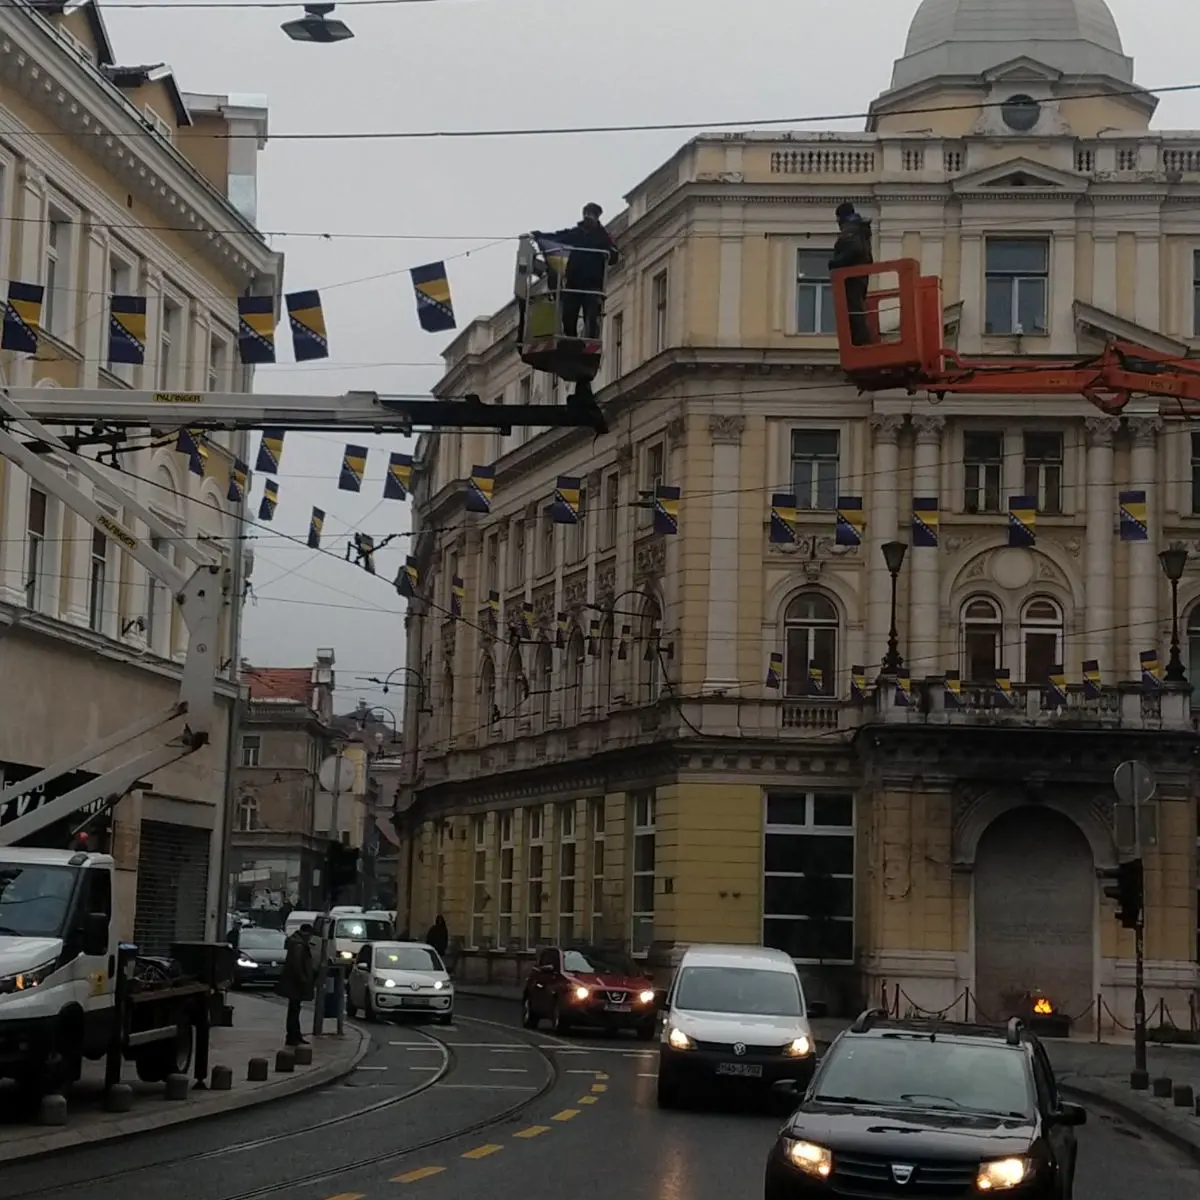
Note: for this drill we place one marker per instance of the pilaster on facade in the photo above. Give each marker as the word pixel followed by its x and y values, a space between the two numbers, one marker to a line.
pixel 721 670
pixel 883 527
pixel 1099 583
pixel 1144 573
pixel 924 626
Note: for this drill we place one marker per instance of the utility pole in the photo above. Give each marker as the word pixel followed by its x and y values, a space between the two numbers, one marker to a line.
pixel 330 777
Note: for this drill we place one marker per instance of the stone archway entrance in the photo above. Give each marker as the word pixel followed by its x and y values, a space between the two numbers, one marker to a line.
pixel 1034 913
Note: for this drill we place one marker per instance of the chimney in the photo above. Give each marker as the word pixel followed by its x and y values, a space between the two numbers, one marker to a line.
pixel 324 682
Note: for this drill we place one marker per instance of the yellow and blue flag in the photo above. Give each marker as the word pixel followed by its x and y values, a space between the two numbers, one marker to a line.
pixel 22 317
pixel 408 579
pixel 784 519
pixel 904 690
pixel 925 522
pixel 850 523
pixel 1004 686
pixel 191 443
pixel 398 482
pixel 1151 671
pixel 237 482
pixel 480 489
pixel 493 608
pixel 593 638
pixel 435 309
pixel 316 524
pixel 666 509
pixel 458 593
pixel 1022 520
pixel 354 467
pixel 816 680
pixel 1092 683
pixel 256 329
pixel 269 502
pixel 775 671
pixel 127 329
pixel 309 339
pixel 564 509
pixel 952 690
pixel 1056 687
pixel 1134 524
pixel 560 635
pixel 270 452
pixel 858 684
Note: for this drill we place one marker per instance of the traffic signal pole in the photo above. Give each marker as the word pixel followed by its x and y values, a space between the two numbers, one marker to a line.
pixel 1139 1080
pixel 327 923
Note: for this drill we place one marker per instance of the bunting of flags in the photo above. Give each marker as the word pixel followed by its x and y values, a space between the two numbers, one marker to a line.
pixel 307 320
pixel 238 477
pixel 270 451
pixel 952 690
pixel 480 488
pixel 1022 521
pixel 458 593
pixel 1151 671
pixel 190 443
pixel 925 522
pixel 127 330
pixel 1004 686
pixel 316 523
pixel 858 683
pixel 564 509
pixel 269 501
pixel 408 579
pixel 398 482
pixel 784 519
pixel 666 509
pixel 354 467
pixel 1132 507
pixel 1056 687
pixel 256 330
pixel 775 671
pixel 850 522
pixel 1091 679
pixel 435 309
pixel 22 317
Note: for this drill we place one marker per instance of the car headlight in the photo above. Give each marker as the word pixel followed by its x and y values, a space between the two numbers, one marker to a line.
pixel 22 981
pixel 582 993
pixel 243 961
pixel 440 985
pixel 1001 1174
pixel 798 1048
pixel 646 997
pixel 678 1040
pixel 384 983
pixel 346 955
pixel 808 1157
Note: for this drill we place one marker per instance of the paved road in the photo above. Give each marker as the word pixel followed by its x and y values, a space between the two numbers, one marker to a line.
pixel 484 1107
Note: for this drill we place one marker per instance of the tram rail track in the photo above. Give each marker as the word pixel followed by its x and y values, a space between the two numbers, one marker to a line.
pixel 450 1063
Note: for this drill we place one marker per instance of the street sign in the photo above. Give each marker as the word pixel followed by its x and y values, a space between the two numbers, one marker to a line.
pixel 337 775
pixel 1134 782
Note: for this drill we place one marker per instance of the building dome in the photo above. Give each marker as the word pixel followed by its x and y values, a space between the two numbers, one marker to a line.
pixel 970 37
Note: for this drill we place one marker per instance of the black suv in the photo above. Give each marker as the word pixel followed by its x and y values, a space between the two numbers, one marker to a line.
pixel 925 1110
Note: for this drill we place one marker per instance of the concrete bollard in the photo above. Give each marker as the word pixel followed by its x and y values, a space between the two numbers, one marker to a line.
pixel 303 1056
pixel 285 1061
pixel 1161 1087
pixel 257 1071
pixel 118 1098
pixel 178 1087
pixel 53 1110
pixel 1183 1095
pixel 221 1079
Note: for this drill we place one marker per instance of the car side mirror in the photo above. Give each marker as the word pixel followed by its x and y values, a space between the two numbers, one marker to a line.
pixel 1071 1114
pixel 95 935
pixel 362 966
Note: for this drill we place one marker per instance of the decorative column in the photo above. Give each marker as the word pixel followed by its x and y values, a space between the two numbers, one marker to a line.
pixel 1101 518
pixel 95 306
pixel 1144 571
pixel 721 656
pixel 1104 271
pixel 1146 279
pixel 1063 339
pixel 882 524
pixel 30 260
pixel 924 627
pixel 970 329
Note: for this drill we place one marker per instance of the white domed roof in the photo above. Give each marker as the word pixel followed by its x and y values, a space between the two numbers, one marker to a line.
pixel 969 37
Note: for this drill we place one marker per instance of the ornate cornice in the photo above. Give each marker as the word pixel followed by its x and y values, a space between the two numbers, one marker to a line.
pixel 1144 430
pixel 886 426
pixel 726 428
pixel 1100 431
pixel 929 427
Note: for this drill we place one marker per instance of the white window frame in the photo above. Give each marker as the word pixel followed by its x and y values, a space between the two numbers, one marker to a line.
pixel 1045 477
pixel 247 814
pixel 251 750
pixel 597 868
pixel 813 500
pixel 994 624
pixel 660 310
pixel 1041 625
pixel 479 882
pixel 122 281
pixel 505 878
pixel 170 369
pixel 77 47
pixel 546 550
pixel 643 816
pixel 156 122
pixel 34 579
pixel 616 346
pixel 535 880
pixel 568 868
pixel 612 503
pixel 58 303
pixel 491 563
pixel 821 288
pixel 217 372
pixel 979 474
pixel 810 829
pixel 1017 279
pixel 100 581
pixel 654 475
pixel 160 608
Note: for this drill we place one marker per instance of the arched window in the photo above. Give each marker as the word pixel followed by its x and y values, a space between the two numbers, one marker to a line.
pixel 606 651
pixel 573 707
pixel 247 814
pixel 1041 639
pixel 487 699
pixel 545 683
pixel 982 641
pixel 646 643
pixel 810 658
pixel 516 688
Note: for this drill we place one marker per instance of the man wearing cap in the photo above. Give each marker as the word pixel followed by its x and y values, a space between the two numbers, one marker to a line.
pixel 853 249
pixel 593 249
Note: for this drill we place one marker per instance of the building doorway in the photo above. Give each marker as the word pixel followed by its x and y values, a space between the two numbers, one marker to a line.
pixel 1035 905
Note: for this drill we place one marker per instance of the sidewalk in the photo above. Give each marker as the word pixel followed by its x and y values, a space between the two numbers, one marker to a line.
pixel 257 1032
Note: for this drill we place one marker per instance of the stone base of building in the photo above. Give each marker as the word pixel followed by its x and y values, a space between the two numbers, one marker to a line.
pixel 1172 992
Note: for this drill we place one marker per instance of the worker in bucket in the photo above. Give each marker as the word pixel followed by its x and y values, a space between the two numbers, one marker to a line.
pixel 853 249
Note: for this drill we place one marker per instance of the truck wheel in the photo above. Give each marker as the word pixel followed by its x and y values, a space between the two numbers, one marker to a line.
pixel 172 1057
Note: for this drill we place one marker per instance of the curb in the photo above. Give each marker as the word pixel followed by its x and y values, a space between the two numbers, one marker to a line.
pixel 480 994
pixel 1135 1116
pixel 42 1145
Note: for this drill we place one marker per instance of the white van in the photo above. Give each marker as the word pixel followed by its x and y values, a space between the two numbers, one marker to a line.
pixel 734 1014
pixel 349 930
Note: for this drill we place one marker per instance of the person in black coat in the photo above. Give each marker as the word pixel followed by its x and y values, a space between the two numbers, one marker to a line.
pixel 853 249
pixel 438 935
pixel 297 980
pixel 583 286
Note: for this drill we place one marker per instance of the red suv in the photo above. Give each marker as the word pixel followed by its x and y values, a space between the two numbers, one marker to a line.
pixel 582 986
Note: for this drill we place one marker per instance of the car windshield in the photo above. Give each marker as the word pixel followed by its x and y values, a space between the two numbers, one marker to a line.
pixel 34 899
pixel 593 962
pixel 926 1073
pixel 358 929
pixel 407 958
pixel 747 991
pixel 260 939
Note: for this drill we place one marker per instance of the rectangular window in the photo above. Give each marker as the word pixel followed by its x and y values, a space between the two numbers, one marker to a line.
pixel 491 562
pixel 170 344
pixel 577 533
pixel 547 531
pixel 616 346
pixel 35 535
pixel 644 815
pixel 534 876
pixel 516 553
pixel 815 468
pixel 98 583
pixel 612 495
pixel 814 292
pixel 58 303
pixel 479 883
pixel 808 877
pixel 505 912
pixel 1018 286
pixel 251 749
pixel 659 312
pixel 596 812
pixel 1044 470
pixel 653 476
pixel 120 283
pixel 983 463
pixel 566 873
pixel 1041 655
pixel 439 898
pixel 218 365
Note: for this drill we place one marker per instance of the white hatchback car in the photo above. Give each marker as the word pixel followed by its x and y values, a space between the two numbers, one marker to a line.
pixel 391 978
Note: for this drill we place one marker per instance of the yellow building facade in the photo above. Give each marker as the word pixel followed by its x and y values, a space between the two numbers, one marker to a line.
pixel 600 752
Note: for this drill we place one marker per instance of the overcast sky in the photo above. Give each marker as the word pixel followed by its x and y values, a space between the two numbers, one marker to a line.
pixel 479 64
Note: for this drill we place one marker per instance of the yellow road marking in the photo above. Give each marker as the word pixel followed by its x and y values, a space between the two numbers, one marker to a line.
pixel 565 1115
pixel 587 1100
pixel 601 1075
pixel 533 1131
pixel 417 1175
pixel 599 1087
pixel 482 1151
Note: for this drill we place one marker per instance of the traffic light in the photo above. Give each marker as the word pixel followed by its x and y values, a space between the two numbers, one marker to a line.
pixel 341 867
pixel 1125 886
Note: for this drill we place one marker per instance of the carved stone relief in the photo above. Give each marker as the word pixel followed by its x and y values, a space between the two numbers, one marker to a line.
pixel 1144 430
pixel 677 430
pixel 929 426
pixel 650 558
pixel 1100 431
pixel 449 632
pixel 886 426
pixel 543 608
pixel 575 592
pixel 606 583
pixel 624 457
pixel 727 428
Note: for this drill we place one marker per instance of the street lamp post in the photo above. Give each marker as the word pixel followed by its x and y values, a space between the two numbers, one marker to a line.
pixel 1174 560
pixel 893 556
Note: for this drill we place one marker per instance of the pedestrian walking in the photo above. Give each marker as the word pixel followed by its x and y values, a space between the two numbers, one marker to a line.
pixel 297 980
pixel 439 935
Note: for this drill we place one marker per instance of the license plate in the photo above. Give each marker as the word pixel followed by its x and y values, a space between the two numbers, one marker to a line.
pixel 618 1008
pixel 742 1070
pixel 414 1001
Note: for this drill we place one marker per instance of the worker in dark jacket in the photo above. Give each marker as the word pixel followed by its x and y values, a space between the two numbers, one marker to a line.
pixel 438 935
pixel 853 249
pixel 593 250
pixel 297 980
